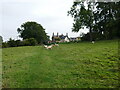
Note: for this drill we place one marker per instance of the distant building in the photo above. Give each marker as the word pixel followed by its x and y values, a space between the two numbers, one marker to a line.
pixel 60 38
pixel 72 39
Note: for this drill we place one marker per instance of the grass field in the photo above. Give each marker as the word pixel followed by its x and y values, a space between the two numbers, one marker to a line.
pixel 75 65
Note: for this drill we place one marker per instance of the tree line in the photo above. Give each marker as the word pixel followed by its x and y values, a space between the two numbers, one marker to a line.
pixel 101 18
pixel 32 34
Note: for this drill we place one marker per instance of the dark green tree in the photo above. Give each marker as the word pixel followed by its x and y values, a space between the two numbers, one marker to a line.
pixel 33 30
pixel 107 18
pixel 101 18
pixel 83 16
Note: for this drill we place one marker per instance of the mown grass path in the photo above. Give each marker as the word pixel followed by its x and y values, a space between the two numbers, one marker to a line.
pixel 78 65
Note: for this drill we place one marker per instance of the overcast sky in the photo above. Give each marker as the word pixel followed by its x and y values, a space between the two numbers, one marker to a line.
pixel 51 14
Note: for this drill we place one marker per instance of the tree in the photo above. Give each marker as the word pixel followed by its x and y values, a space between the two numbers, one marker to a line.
pixel 101 18
pixel 107 18
pixel 33 30
pixel 83 16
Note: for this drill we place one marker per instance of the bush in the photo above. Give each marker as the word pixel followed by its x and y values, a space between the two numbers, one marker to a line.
pixel 5 45
pixel 19 43
pixel 11 43
pixel 30 42
pixel 16 43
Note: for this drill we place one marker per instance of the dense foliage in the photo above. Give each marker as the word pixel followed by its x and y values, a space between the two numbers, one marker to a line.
pixel 33 30
pixel 16 43
pixel 30 42
pixel 101 18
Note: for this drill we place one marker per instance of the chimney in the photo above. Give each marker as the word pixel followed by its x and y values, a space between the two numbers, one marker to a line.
pixel 66 34
pixel 53 34
pixel 57 34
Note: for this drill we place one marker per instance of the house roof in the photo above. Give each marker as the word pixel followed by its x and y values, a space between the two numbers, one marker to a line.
pixel 60 36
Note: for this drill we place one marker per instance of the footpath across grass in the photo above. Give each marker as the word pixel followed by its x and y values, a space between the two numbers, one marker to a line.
pixel 74 65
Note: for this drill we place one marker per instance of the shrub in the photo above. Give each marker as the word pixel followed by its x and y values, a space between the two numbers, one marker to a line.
pixel 16 43
pixel 30 42
pixel 19 43
pixel 5 45
pixel 12 43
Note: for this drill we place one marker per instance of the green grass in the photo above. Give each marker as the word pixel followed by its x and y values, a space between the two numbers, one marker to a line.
pixel 75 65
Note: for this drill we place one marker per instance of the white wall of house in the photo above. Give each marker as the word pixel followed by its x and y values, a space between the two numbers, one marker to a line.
pixel 67 39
